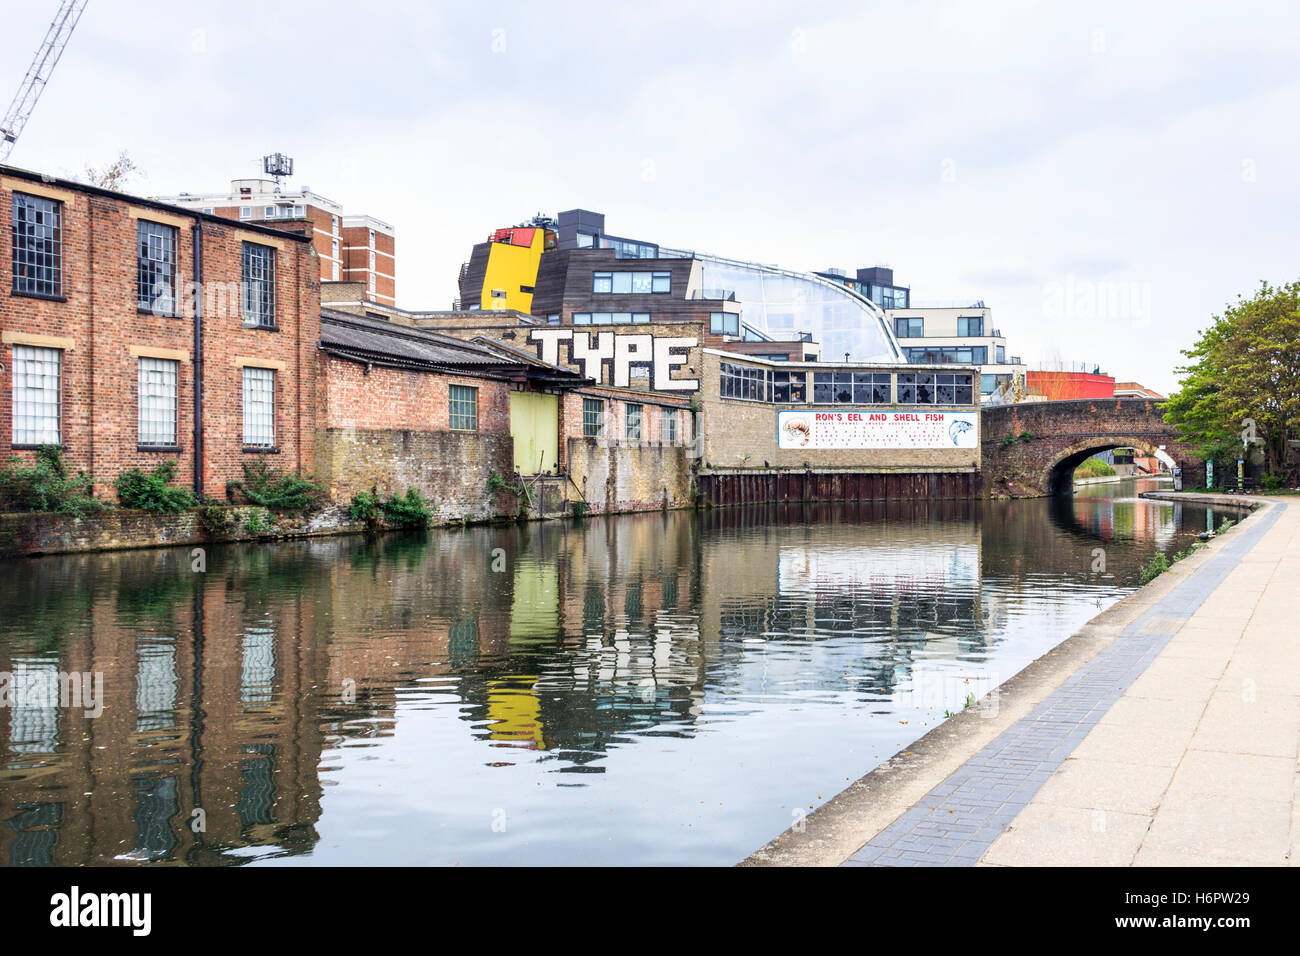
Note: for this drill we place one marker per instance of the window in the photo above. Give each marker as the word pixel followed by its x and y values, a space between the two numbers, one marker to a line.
pixel 833 388
pixel 259 285
pixel 871 388
pixel 334 248
pixel 372 260
pixel 372 282
pixel 1002 354
pixel 965 355
pixel 669 432
pixel 36 395
pixel 336 272
pixel 632 427
pixel 259 407
pixel 269 212
pixel 909 328
pixel 745 382
pixel 462 408
pixel 334 230
pixel 724 323
pixel 593 418
pixel 584 240
pixel 372 238
pixel 245 212
pixel 791 387
pixel 953 389
pixel 156 402
pixel 38 245
pixel 970 326
pixel 916 388
pixel 611 318
pixel 629 283
pixel 156 271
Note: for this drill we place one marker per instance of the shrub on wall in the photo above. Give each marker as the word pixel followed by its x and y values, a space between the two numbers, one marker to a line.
pixel 153 490
pixel 275 489
pixel 46 485
pixel 412 511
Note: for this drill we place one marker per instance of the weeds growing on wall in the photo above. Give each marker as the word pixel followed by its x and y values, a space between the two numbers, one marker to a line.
pixel 46 485
pixel 275 489
pixel 153 490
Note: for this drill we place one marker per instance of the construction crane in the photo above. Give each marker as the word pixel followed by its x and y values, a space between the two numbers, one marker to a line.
pixel 38 74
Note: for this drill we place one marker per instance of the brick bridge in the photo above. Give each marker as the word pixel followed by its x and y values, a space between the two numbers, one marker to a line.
pixel 1052 438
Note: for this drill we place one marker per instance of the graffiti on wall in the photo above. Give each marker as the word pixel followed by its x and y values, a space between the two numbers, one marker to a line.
pixel 611 358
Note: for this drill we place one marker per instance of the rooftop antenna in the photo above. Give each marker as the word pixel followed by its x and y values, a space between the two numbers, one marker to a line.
pixel 277 166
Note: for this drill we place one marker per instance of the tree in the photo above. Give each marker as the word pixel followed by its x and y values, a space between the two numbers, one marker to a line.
pixel 114 176
pixel 1243 381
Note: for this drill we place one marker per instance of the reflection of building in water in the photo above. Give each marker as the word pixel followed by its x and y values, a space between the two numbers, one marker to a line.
pixel 913 587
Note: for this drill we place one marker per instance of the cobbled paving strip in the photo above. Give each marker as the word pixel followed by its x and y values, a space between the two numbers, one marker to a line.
pixel 957 821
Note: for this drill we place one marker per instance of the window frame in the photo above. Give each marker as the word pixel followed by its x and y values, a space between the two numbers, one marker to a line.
pixel 629 417
pixel 14 400
pixel 36 248
pixel 264 318
pixel 668 431
pixel 593 417
pixel 458 403
pixel 146 277
pixel 171 366
pixel 250 373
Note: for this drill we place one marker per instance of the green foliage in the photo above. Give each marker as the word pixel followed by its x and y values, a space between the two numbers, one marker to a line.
pixel 275 489
pixel 257 523
pixel 1246 365
pixel 580 509
pixel 411 510
pixel 215 519
pixel 153 490
pixel 365 507
pixel 1273 481
pixel 498 482
pixel 1093 468
pixel 1157 566
pixel 1012 439
pixel 46 485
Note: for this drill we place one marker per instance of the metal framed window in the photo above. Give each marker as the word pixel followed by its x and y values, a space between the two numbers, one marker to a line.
pixel 909 327
pixel 37 245
pixel 462 408
pixel 593 418
pixel 970 326
pixel 724 323
pixel 871 388
pixel 245 212
pixel 259 285
pixel 745 382
pixel 37 395
pixel 156 402
pixel 156 271
pixel 954 389
pixel 632 425
pixel 916 388
pixel 669 432
pixel 259 407
pixel 790 387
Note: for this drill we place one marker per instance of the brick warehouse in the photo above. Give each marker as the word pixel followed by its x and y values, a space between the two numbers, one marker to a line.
pixel 105 298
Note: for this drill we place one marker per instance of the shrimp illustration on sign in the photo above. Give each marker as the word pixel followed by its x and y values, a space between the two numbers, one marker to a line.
pixel 798 429
pixel 957 429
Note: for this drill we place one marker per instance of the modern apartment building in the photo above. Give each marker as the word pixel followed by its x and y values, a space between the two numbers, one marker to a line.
pixel 351 248
pixel 958 335
pixel 571 272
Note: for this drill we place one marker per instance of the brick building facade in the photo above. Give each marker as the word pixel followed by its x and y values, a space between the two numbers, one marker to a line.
pixel 102 301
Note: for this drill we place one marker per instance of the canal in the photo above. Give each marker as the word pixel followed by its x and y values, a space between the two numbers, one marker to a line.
pixel 648 689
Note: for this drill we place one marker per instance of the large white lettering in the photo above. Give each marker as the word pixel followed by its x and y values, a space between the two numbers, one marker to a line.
pixel 660 356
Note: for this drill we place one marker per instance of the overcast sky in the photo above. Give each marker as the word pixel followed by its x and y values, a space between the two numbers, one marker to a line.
pixel 1105 177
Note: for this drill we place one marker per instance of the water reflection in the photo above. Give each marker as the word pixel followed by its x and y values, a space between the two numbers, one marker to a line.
pixel 649 689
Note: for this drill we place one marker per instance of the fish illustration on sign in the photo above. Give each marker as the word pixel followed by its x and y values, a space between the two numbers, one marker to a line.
pixel 957 429
pixel 798 429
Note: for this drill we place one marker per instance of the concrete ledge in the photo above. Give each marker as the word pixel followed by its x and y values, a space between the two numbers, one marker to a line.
pixel 840 827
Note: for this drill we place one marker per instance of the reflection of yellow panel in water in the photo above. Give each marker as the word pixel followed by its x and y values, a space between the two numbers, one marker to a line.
pixel 534 612
pixel 535 427
pixel 515 712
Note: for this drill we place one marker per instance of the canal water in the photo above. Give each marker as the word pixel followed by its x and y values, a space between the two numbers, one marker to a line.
pixel 646 689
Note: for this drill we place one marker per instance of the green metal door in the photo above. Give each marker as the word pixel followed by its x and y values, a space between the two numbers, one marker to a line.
pixel 535 427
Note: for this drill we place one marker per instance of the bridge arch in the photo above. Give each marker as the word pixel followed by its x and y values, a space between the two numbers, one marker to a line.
pixel 1058 475
pixel 1028 449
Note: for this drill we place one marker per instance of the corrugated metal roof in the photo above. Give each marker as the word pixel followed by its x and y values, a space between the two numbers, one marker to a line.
pixel 358 336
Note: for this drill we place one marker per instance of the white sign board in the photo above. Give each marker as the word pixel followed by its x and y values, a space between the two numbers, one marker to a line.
pixel 826 429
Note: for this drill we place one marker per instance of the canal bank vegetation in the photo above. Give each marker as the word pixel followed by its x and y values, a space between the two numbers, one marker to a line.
pixel 1241 387
pixel 46 486
pixel 1094 468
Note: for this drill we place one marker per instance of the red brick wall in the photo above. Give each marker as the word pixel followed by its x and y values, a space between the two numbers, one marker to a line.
pixel 99 314
pixel 400 399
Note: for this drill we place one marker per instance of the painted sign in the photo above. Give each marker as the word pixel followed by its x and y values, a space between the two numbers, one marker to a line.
pixel 866 429
pixel 611 358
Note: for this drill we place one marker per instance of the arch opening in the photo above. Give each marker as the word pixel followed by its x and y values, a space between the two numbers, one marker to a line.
pixel 1059 477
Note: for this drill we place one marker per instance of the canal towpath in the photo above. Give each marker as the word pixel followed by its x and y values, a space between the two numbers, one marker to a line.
pixel 1165 732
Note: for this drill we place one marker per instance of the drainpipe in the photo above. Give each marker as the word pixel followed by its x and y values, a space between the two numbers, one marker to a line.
pixel 198 358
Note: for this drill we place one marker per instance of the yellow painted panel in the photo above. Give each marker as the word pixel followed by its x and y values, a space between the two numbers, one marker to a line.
pixel 535 427
pixel 508 268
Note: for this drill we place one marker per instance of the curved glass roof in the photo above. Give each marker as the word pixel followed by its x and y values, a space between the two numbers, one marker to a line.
pixel 780 303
